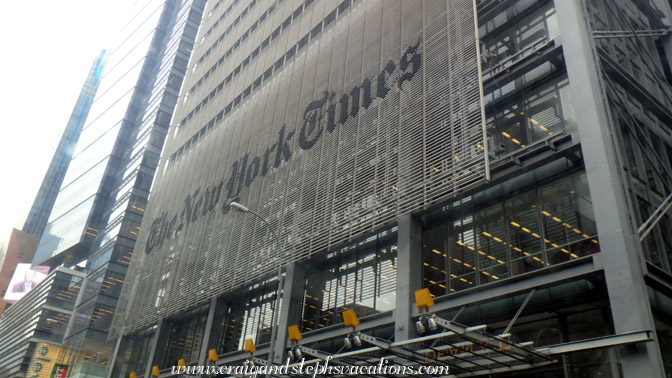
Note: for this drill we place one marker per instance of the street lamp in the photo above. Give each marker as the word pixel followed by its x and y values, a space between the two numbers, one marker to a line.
pixel 281 279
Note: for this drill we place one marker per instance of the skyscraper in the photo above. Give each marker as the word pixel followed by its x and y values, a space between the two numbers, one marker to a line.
pixel 508 160
pixel 46 196
pixel 20 248
pixel 100 203
pixel 135 162
pixel 32 329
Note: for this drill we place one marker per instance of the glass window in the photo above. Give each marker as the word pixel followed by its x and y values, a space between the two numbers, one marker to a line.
pixel 491 243
pixel 185 336
pixel 502 42
pixel 249 319
pixel 360 278
pixel 568 220
pixel 495 236
pixel 65 231
pixel 134 353
pixel 524 230
pixel 520 118
pixel 83 187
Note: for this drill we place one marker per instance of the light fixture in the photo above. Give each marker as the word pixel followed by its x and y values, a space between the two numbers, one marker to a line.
pixel 420 327
pixel 298 353
pixel 237 206
pixel 423 299
pixel 274 319
pixel 356 340
pixel 249 346
pixel 431 323
pixel 212 355
pixel 290 354
pixel 350 319
pixel 347 343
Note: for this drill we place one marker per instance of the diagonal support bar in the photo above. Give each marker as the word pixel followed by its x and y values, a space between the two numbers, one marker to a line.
pixel 658 214
pixel 520 310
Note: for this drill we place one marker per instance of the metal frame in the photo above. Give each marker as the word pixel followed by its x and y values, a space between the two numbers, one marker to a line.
pixel 623 268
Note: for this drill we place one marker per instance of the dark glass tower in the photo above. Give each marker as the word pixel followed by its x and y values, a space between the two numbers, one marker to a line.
pixel 157 47
pixel 97 213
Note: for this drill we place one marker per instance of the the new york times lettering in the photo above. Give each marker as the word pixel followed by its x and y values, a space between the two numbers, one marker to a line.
pixel 320 117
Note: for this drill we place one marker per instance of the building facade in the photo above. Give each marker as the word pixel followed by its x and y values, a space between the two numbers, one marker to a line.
pixel 511 157
pixel 20 248
pixel 33 329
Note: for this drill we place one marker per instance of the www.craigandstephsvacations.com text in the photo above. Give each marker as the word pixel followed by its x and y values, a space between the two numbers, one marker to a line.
pixel 314 369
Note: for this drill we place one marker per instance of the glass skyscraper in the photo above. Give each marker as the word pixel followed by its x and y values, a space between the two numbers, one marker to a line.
pixel 97 213
pixel 134 164
pixel 53 179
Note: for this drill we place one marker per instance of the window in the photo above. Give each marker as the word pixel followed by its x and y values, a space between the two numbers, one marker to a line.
pixel 361 277
pixel 505 232
pixel 249 319
pixel 184 339
pixel 516 120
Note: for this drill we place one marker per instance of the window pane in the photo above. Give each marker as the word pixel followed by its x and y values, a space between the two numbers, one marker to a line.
pixel 567 216
pixel 509 229
pixel 524 233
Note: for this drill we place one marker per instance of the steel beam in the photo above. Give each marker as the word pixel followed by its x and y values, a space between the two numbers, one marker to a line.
pixel 159 338
pixel 600 342
pixel 208 332
pixel 523 283
pixel 113 360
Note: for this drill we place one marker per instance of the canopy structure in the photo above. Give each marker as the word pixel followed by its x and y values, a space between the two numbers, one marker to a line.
pixel 454 350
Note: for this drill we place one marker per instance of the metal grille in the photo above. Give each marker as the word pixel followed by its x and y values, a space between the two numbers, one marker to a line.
pixel 381 115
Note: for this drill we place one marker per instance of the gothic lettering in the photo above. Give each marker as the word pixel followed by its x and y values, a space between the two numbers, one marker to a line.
pixel 329 111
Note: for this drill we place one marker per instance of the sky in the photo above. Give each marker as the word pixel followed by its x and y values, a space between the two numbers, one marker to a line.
pixel 47 49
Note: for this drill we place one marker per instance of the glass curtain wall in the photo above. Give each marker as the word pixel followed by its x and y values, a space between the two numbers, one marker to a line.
pixel 504 232
pixel 360 277
pixel 249 318
pixel 535 105
pixel 185 337
pixel 134 353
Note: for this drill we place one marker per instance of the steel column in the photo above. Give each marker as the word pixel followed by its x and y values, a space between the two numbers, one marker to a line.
pixel 409 275
pixel 159 338
pixel 213 326
pixel 622 253
pixel 290 311
pixel 114 356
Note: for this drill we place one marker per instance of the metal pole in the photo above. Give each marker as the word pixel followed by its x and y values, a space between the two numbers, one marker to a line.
pixel 113 360
pixel 520 310
pixel 274 320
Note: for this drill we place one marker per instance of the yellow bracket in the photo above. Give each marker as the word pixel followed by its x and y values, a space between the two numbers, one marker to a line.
pixel 350 319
